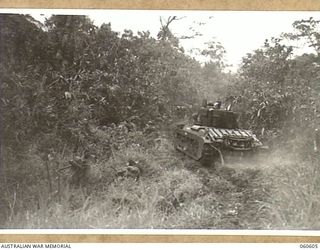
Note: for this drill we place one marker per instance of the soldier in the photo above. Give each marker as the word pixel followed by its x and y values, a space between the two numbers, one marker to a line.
pixel 131 170
pixel 195 117
pixel 80 168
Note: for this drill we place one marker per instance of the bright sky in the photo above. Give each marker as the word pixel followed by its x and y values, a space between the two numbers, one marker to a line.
pixel 240 32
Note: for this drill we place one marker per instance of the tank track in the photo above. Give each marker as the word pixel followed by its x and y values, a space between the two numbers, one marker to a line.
pixel 209 156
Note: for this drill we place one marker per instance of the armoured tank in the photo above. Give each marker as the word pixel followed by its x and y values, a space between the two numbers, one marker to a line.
pixel 214 135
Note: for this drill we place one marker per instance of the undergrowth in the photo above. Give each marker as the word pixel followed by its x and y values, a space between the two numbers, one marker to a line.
pixel 171 191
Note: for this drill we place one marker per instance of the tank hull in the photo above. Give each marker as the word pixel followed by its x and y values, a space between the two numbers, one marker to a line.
pixel 210 144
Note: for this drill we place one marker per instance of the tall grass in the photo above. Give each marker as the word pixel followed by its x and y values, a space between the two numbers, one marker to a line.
pixel 281 192
pixel 296 194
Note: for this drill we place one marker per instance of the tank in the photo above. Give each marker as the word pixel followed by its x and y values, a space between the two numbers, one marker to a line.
pixel 214 135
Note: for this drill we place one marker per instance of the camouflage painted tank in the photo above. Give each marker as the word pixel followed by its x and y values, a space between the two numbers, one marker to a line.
pixel 214 133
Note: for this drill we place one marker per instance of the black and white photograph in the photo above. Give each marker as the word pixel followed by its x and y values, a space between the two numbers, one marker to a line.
pixel 159 119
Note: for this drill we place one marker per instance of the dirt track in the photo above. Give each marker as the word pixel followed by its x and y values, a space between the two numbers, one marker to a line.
pixel 239 193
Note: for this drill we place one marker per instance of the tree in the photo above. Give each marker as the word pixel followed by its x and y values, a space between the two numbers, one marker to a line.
pixel 278 91
pixel 264 95
pixel 306 30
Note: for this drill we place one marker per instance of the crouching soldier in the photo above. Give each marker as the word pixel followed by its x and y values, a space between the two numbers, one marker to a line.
pixel 132 170
pixel 80 168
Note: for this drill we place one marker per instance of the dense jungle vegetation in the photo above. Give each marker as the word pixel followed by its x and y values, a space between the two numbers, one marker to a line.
pixel 71 89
